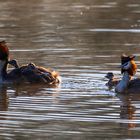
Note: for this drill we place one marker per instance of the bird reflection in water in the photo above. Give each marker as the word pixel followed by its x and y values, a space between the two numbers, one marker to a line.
pixel 127 109
pixel 34 90
pixel 25 91
pixel 4 99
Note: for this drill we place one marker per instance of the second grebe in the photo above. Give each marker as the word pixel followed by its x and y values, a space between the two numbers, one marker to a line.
pixel 113 81
pixel 29 73
pixel 127 84
pixel 128 69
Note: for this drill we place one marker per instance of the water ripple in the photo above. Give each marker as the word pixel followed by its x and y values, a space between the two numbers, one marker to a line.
pixel 115 30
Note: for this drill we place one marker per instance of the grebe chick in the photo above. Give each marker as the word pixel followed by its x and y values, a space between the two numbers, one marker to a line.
pixel 113 81
pixel 14 63
pixel 36 74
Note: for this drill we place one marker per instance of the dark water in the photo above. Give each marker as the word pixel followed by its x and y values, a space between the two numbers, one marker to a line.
pixel 83 40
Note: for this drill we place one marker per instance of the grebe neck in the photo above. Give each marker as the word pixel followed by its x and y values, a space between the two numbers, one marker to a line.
pixel 3 70
pixel 123 84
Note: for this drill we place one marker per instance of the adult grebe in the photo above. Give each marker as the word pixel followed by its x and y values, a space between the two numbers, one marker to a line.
pixel 29 73
pixel 127 84
pixel 113 81
pixel 128 69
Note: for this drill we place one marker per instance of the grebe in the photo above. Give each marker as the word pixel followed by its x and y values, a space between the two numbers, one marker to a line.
pixel 36 74
pixel 128 69
pixel 113 81
pixel 28 73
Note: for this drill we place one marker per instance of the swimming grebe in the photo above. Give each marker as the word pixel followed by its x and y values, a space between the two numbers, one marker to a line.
pixel 28 73
pixel 128 69
pixel 113 81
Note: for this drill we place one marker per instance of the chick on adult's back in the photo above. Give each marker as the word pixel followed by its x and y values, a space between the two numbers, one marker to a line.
pixel 29 73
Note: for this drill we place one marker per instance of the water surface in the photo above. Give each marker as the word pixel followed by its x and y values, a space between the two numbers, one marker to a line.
pixel 83 40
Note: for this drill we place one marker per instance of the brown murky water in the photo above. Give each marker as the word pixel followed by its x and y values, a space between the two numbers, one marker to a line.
pixel 83 40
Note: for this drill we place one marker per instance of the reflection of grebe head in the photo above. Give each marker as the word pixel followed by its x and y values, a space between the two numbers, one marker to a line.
pixel 128 64
pixel 109 75
pixel 4 51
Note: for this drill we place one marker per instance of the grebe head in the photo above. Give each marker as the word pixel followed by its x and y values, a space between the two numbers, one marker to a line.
pixel 109 75
pixel 125 58
pixel 128 64
pixel 4 55
pixel 14 63
pixel 4 51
